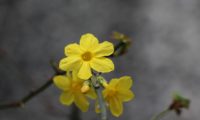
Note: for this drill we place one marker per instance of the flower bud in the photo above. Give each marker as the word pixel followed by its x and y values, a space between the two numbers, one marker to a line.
pixel 86 87
pixel 179 102
pixel 102 80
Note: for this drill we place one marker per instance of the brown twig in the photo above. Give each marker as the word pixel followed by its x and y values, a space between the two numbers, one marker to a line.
pixel 75 113
pixel 29 96
pixel 32 94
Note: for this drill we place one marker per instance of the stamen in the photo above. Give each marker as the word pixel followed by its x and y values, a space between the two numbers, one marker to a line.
pixel 87 56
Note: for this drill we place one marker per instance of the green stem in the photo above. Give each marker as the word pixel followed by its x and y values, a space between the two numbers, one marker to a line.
pixel 101 102
pixel 117 46
pixel 161 115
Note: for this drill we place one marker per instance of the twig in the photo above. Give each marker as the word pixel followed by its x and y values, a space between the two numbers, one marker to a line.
pixel 32 94
pixel 160 115
pixel 75 114
pixel 25 99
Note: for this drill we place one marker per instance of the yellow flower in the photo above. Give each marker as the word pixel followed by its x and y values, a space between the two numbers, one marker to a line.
pixel 89 54
pixel 116 92
pixel 71 87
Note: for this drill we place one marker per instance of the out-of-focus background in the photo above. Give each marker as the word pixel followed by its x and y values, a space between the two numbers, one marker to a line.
pixel 164 56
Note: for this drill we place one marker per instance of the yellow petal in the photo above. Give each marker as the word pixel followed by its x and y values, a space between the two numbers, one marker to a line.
pixel 104 49
pixel 66 98
pixel 91 93
pixel 105 93
pixel 72 49
pixel 75 76
pixel 125 95
pixel 62 82
pixel 125 82
pixel 85 71
pixel 69 75
pixel 81 102
pixel 88 41
pixel 116 107
pixel 113 83
pixel 70 63
pixel 102 64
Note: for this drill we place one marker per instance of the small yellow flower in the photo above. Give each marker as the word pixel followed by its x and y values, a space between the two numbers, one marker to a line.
pixel 89 54
pixel 71 87
pixel 116 92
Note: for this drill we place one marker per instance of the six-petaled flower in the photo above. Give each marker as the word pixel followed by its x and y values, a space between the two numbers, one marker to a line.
pixel 116 92
pixel 89 54
pixel 71 87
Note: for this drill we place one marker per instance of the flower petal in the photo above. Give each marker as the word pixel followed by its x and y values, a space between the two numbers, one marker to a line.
pixel 85 71
pixel 104 49
pixel 72 49
pixel 91 93
pixel 81 102
pixel 88 41
pixel 70 63
pixel 62 82
pixel 102 64
pixel 66 98
pixel 125 95
pixel 113 82
pixel 125 82
pixel 116 107
pixel 75 77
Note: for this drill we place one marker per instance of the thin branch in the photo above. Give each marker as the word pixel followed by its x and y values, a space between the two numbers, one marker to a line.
pixel 32 94
pixel 161 115
pixel 28 97
pixel 75 114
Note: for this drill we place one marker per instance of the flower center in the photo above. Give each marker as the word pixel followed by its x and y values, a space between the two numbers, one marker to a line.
pixel 76 87
pixel 112 92
pixel 87 56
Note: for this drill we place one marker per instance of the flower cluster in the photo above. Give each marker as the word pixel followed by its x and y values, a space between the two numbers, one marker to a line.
pixel 81 63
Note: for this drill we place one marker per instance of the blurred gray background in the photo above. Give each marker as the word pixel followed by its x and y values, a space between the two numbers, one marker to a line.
pixel 164 57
